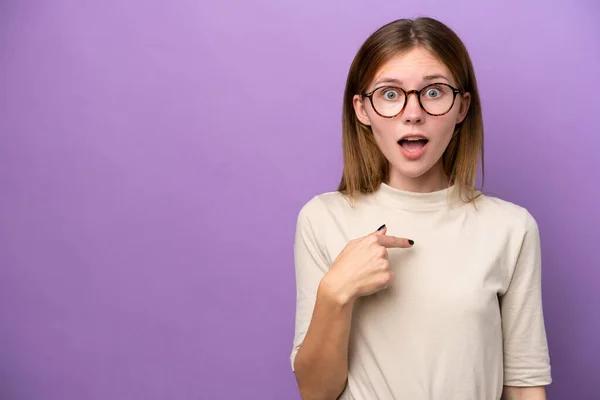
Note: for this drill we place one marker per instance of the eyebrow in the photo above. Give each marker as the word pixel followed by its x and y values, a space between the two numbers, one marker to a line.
pixel 398 82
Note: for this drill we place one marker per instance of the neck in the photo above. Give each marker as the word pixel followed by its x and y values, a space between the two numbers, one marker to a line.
pixel 433 180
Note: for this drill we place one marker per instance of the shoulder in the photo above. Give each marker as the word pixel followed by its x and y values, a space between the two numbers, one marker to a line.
pixel 322 213
pixel 501 212
pixel 324 204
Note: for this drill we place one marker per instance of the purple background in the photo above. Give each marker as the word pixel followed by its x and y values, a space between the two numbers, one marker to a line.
pixel 154 156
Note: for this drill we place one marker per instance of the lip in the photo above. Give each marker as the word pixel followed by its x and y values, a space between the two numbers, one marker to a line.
pixel 419 135
pixel 416 154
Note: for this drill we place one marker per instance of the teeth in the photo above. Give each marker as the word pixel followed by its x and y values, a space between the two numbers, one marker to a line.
pixel 414 138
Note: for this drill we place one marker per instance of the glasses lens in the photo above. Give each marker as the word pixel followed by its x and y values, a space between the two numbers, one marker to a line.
pixel 437 98
pixel 388 101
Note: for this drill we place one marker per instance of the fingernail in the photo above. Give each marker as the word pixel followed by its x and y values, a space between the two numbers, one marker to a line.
pixel 411 242
pixel 381 227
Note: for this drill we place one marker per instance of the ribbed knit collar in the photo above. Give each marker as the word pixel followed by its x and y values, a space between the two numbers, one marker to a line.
pixel 398 198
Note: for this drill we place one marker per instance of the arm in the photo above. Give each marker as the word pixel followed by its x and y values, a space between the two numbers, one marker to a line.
pixel 326 292
pixel 526 357
pixel 320 354
pixel 524 393
pixel 321 363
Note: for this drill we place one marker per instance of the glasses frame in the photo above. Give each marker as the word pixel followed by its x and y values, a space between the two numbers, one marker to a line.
pixel 455 92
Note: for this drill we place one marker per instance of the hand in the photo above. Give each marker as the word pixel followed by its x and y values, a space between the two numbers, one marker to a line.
pixel 362 268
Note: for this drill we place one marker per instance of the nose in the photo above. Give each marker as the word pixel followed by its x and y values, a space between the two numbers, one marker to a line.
pixel 413 113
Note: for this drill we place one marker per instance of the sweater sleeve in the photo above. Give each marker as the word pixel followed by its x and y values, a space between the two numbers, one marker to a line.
pixel 526 357
pixel 310 266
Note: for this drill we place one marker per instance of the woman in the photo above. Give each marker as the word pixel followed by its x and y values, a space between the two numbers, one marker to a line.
pixel 443 301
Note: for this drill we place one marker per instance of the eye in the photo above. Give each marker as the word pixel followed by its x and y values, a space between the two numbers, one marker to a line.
pixel 433 92
pixel 390 94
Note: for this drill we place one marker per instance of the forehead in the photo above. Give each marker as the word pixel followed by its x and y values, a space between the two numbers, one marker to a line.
pixel 411 67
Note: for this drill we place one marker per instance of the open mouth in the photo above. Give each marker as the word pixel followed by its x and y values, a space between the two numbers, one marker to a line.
pixel 413 145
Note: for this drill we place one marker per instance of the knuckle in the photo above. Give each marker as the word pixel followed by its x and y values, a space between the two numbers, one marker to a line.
pixel 384 265
pixel 390 276
pixel 387 277
pixel 372 239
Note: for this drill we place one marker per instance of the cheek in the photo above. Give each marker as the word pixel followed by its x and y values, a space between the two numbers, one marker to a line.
pixel 442 127
pixel 385 134
pixel 385 130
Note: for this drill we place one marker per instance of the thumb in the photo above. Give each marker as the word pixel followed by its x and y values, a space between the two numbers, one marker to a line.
pixel 382 230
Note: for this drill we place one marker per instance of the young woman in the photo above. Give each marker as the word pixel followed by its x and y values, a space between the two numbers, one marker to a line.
pixel 443 301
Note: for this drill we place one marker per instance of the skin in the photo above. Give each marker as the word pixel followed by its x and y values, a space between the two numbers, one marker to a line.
pixel 426 173
pixel 524 393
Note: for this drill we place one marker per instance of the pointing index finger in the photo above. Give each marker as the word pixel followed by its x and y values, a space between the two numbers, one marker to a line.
pixel 395 242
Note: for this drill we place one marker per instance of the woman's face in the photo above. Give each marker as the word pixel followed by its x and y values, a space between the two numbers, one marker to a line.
pixel 412 160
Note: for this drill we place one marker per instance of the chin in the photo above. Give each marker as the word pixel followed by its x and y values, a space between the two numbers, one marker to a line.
pixel 414 171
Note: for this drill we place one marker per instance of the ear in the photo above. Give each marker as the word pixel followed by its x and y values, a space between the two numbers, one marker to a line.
pixel 465 102
pixel 359 109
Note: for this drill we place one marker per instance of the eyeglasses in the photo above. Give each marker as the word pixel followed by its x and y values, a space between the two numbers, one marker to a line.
pixel 435 99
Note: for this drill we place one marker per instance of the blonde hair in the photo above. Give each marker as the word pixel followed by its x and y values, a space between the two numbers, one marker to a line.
pixel 365 167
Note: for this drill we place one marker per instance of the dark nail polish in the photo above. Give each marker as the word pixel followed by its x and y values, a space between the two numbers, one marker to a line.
pixel 411 242
pixel 381 227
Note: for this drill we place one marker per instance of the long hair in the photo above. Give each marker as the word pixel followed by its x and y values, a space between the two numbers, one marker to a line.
pixel 365 167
